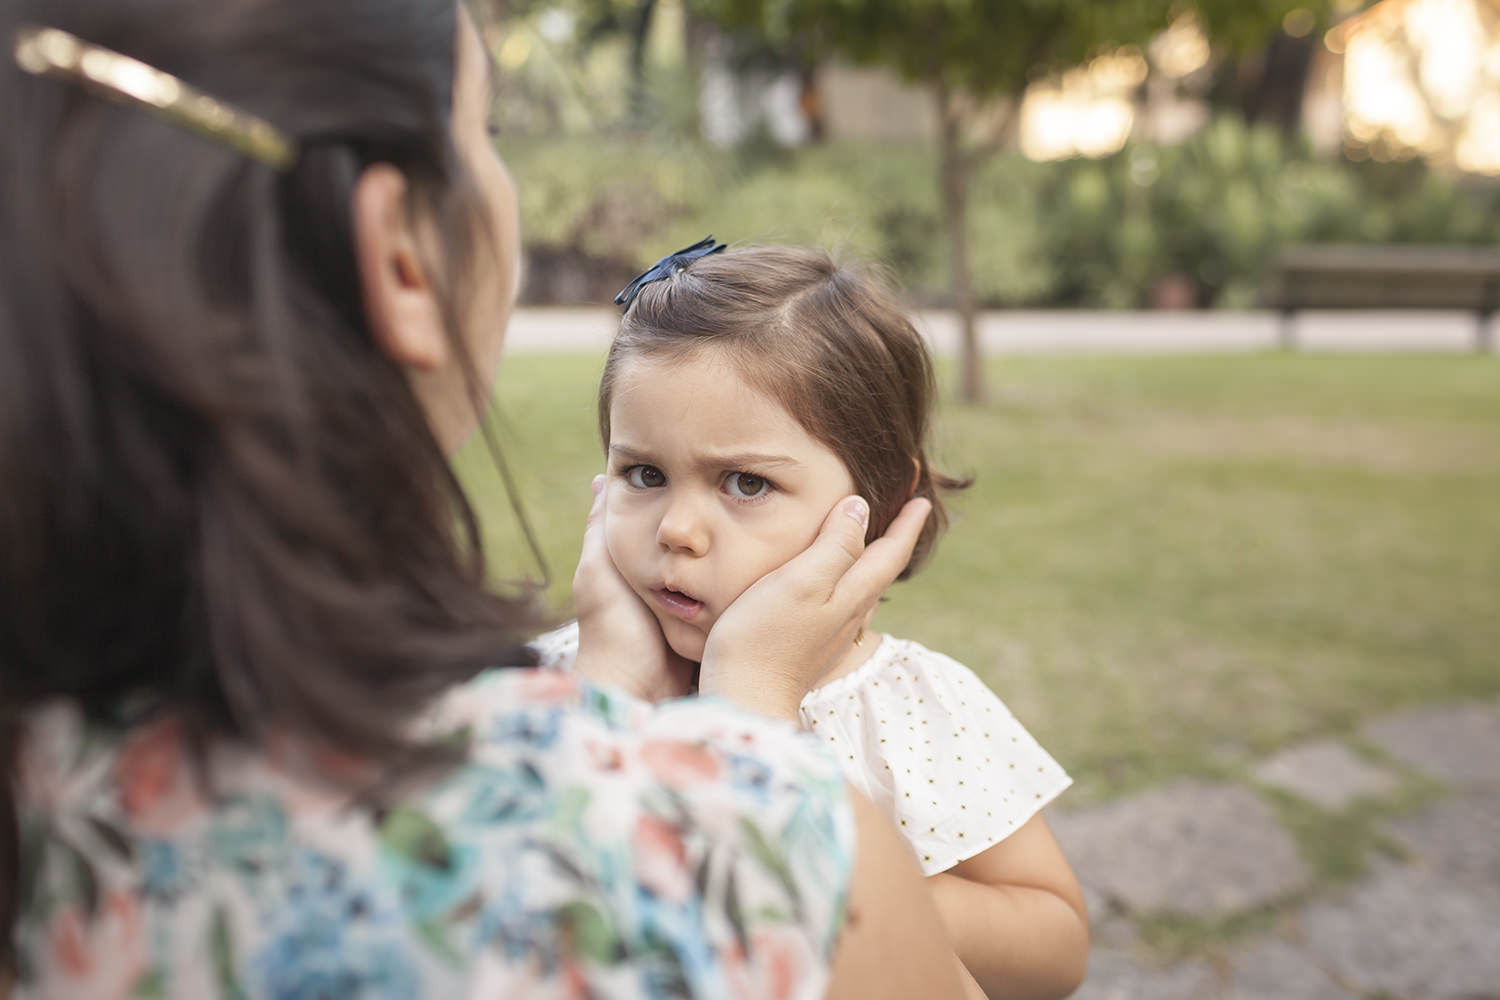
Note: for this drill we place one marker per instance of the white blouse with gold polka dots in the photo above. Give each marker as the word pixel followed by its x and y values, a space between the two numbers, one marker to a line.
pixel 924 738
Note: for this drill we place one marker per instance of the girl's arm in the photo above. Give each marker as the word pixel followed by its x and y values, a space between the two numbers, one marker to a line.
pixel 892 946
pixel 1017 917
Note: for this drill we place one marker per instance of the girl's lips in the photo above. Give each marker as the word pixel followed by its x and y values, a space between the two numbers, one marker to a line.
pixel 678 604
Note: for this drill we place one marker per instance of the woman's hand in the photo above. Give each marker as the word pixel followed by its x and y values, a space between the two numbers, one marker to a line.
pixel 620 642
pixel 794 624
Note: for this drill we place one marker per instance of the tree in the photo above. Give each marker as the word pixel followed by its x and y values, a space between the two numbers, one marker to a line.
pixel 966 51
pixel 970 52
pixel 600 20
pixel 1269 47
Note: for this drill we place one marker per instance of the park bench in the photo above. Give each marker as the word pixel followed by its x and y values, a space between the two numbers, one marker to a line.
pixel 1332 276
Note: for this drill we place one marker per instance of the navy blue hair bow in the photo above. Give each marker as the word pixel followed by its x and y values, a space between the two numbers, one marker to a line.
pixel 668 266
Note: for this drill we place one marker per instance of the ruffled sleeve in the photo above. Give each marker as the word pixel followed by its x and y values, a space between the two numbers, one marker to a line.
pixel 927 740
pixel 557 649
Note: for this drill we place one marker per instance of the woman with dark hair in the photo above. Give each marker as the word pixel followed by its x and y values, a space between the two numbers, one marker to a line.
pixel 256 258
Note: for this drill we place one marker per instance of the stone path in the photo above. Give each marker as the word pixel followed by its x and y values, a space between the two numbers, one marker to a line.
pixel 1417 794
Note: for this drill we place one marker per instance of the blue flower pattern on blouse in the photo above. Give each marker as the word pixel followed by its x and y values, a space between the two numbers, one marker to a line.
pixel 589 846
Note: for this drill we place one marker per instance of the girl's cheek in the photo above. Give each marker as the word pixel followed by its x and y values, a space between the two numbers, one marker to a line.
pixel 617 540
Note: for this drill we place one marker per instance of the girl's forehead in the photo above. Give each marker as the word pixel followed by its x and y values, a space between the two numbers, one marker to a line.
pixel 705 379
pixel 697 394
pixel 701 357
pixel 696 371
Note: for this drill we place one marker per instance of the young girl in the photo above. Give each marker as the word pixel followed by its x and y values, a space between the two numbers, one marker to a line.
pixel 746 393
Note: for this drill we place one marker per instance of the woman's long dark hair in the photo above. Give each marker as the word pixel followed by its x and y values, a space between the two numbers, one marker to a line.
pixel 216 495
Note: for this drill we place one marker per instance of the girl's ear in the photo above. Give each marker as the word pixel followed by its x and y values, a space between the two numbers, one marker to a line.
pixel 400 306
pixel 916 476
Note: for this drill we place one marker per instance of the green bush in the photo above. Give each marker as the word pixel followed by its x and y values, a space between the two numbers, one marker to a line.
pixel 1216 209
pixel 607 198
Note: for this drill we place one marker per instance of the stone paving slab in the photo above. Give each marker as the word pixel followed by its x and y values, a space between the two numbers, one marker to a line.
pixel 1192 847
pixel 1272 969
pixel 1120 975
pixel 1410 933
pixel 1108 927
pixel 1325 773
pixel 1456 744
pixel 1458 838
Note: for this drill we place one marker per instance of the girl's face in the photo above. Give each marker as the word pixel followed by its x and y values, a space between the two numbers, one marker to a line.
pixel 711 486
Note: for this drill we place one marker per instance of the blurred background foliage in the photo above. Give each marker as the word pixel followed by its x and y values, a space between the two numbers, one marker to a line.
pixel 1135 153
pixel 1167 566
pixel 1095 233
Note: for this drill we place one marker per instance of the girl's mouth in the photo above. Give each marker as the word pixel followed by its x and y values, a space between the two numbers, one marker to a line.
pixel 677 603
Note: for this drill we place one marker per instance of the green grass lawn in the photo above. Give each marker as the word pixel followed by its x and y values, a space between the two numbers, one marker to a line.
pixel 1166 566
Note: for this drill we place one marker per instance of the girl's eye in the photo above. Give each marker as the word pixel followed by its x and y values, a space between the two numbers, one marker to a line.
pixel 746 486
pixel 645 477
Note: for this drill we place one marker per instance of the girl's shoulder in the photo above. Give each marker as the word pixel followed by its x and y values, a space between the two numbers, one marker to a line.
pixel 926 739
pixel 900 665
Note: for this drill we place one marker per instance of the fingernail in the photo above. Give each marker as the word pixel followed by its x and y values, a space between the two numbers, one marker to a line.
pixel 856 508
pixel 598 484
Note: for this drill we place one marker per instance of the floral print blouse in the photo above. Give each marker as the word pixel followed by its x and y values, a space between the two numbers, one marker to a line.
pixel 590 846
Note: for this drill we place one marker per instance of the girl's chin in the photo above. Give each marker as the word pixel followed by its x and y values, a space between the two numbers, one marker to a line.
pixel 686 642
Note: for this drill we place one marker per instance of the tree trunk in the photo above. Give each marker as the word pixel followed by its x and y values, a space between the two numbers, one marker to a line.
pixel 1268 85
pixel 1278 93
pixel 640 33
pixel 954 178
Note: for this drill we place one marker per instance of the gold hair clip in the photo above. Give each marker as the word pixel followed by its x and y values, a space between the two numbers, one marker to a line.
pixel 52 52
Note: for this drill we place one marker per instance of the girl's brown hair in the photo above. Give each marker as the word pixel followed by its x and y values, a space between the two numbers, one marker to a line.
pixel 830 343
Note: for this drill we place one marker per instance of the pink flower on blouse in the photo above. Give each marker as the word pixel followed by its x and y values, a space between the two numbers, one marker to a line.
pixel 549 686
pixel 782 962
pixel 156 786
pixel 680 764
pixel 604 756
pixel 784 959
pixel 736 971
pixel 661 859
pixel 99 956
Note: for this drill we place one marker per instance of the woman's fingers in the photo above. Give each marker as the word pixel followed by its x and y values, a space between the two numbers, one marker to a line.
pixel 877 567
pixel 838 545
pixel 595 521
pixel 592 549
pixel 593 525
pixel 842 568
pixel 619 640
pixel 791 626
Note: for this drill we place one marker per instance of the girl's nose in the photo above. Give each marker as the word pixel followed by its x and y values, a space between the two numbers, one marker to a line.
pixel 683 528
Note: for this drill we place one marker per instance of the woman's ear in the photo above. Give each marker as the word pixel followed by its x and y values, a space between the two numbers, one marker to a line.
pixel 400 306
pixel 916 476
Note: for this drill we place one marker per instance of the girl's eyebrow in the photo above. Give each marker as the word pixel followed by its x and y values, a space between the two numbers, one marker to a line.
pixel 630 454
pixel 720 461
pixel 734 461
